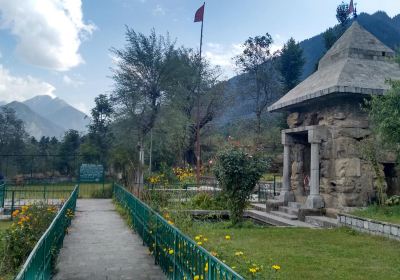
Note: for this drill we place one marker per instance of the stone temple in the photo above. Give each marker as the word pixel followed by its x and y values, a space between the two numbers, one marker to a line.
pixel 323 166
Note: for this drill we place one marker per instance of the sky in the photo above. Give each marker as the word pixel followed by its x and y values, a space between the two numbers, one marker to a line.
pixel 62 47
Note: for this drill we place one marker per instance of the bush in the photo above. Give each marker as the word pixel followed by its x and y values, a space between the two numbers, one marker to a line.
pixel 394 200
pixel 209 201
pixel 29 224
pixel 238 173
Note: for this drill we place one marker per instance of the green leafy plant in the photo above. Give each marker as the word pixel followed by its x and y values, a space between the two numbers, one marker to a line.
pixel 238 172
pixel 392 201
pixel 30 222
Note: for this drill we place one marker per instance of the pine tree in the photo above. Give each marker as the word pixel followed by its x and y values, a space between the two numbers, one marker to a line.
pixel 291 63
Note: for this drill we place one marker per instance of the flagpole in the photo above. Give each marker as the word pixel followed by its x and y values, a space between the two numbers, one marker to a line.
pixel 198 147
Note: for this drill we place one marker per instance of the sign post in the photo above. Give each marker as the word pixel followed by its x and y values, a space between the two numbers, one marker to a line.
pixel 91 173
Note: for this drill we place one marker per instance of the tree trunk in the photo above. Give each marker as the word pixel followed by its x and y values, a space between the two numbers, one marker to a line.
pixel 258 129
pixel 139 172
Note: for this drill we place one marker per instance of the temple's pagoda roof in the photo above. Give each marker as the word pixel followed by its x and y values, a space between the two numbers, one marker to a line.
pixel 358 63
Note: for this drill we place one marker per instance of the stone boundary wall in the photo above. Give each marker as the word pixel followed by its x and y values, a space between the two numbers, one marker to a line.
pixel 369 226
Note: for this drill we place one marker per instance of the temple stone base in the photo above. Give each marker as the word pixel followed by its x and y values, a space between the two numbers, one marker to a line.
pixel 314 202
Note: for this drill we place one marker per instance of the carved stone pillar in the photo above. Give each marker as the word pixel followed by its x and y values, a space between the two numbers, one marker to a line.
pixel 286 194
pixel 315 200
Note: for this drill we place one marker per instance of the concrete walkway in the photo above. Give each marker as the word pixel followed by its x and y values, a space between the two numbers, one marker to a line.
pixel 101 246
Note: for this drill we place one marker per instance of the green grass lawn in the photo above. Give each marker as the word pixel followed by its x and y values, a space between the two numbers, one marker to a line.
pixel 390 214
pixel 302 253
pixel 3 226
pixel 56 191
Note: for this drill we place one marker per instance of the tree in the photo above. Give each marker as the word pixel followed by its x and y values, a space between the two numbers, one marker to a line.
pixel 385 115
pixel 98 143
pixel 12 138
pixel 187 95
pixel 238 172
pixel 259 66
pixel 291 63
pixel 12 132
pixel 141 76
pixel 331 35
pixel 342 13
pixel 69 148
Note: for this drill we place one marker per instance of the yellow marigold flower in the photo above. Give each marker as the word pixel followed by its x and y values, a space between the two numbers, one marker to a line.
pixel 227 237
pixel 276 267
pixel 197 277
pixel 15 213
pixel 240 253
pixel 171 252
pixel 206 268
pixel 205 239
pixel 170 222
pixel 199 243
pixel 197 237
pixel 214 254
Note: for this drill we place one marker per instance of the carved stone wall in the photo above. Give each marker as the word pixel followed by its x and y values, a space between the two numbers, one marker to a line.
pixel 346 177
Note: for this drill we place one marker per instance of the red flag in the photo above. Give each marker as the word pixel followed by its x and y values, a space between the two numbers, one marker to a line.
pixel 351 7
pixel 199 16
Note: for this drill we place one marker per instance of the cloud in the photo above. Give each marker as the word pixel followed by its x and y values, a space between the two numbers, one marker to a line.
pixel 223 56
pixel 49 32
pixel 159 10
pixel 74 82
pixel 21 88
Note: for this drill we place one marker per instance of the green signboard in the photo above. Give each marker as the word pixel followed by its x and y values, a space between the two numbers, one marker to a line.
pixel 91 173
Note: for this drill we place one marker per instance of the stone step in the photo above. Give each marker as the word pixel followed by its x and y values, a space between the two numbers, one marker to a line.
pixel 259 206
pixel 322 221
pixel 273 204
pixel 284 215
pixel 295 205
pixel 275 220
pixel 289 210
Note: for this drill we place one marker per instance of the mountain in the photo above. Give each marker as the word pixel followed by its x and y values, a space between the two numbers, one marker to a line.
pixel 36 125
pixel 2 103
pixel 59 112
pixel 383 27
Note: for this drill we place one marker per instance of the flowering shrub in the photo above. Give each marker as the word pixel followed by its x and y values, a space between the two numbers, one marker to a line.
pixel 184 175
pixel 29 224
pixel 238 173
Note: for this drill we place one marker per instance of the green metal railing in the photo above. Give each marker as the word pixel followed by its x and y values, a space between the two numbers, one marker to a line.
pixel 39 264
pixel 16 197
pixel 178 255
pixel 2 194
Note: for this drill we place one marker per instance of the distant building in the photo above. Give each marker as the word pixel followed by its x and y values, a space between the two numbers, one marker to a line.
pixel 323 166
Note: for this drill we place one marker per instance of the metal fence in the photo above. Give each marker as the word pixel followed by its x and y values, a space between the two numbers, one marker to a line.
pixel 2 194
pixel 38 166
pixel 15 197
pixel 178 255
pixel 39 264
pixel 266 190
